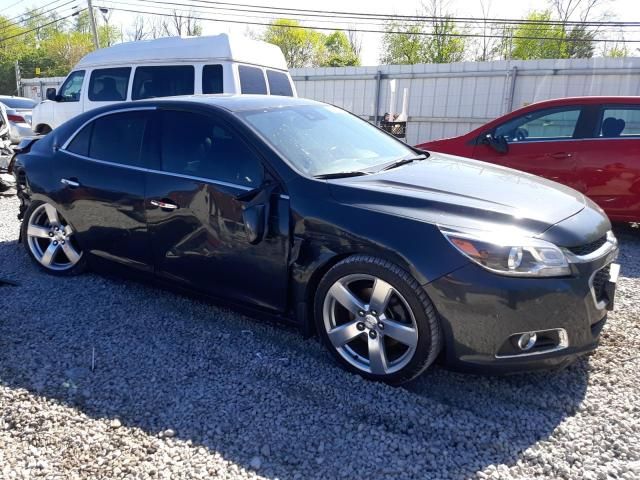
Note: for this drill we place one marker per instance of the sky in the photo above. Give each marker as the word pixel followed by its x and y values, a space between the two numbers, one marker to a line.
pixel 627 10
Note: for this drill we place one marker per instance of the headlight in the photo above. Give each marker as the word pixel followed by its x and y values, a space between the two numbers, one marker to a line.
pixel 511 255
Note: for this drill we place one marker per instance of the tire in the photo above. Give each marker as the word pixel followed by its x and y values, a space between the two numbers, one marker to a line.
pixel 393 345
pixel 50 241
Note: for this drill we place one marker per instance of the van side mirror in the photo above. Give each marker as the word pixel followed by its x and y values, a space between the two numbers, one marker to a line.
pixel 499 144
pixel 51 94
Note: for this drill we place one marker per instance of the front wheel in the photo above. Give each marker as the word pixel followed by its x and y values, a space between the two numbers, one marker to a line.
pixel 50 241
pixel 377 320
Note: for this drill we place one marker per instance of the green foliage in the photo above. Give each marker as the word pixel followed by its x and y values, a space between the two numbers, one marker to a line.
pixel 338 51
pixel 403 48
pixel 533 41
pixel 409 43
pixel 300 46
pixel 304 47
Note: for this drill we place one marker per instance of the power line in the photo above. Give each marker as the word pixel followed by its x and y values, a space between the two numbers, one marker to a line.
pixel 270 15
pixel 356 15
pixel 35 14
pixel 40 26
pixel 428 34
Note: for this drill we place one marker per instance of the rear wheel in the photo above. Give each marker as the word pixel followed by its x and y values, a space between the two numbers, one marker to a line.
pixel 377 320
pixel 50 241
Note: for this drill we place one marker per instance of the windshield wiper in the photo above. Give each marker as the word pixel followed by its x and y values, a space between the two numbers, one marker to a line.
pixel 403 161
pixel 325 176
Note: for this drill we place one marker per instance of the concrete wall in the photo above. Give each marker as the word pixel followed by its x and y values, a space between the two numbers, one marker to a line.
pixel 451 99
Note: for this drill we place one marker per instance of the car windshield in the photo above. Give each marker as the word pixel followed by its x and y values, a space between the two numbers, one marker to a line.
pixel 325 140
pixel 18 102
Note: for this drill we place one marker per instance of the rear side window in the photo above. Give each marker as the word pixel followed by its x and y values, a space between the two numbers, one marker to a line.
pixel 109 84
pixel 619 122
pixel 113 138
pixel 200 146
pixel 279 83
pixel 252 80
pixel 80 143
pixel 150 82
pixel 546 124
pixel 212 79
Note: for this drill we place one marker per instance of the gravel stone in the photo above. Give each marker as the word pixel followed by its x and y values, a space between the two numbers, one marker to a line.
pixel 80 355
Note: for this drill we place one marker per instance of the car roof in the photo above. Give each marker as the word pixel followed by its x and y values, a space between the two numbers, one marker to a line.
pixel 233 48
pixel 233 102
pixel 590 100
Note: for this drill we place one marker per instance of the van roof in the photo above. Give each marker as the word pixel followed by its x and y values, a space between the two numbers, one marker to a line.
pixel 188 49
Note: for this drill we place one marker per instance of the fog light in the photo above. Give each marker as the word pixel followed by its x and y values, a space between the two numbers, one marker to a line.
pixel 527 341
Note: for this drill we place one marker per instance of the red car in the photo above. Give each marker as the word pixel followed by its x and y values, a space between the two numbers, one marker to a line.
pixel 591 144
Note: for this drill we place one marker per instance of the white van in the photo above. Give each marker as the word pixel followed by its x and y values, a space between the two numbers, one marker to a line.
pixel 165 67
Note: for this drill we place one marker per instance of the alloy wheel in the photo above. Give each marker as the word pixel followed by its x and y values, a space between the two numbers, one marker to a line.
pixel 51 239
pixel 370 324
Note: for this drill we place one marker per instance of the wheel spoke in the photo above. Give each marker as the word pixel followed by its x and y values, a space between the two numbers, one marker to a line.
pixel 402 333
pixel 377 355
pixel 343 334
pixel 49 254
pixel 52 214
pixel 71 253
pixel 37 231
pixel 345 298
pixel 380 296
pixel 68 231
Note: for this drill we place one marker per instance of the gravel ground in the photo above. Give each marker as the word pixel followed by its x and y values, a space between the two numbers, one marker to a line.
pixel 106 378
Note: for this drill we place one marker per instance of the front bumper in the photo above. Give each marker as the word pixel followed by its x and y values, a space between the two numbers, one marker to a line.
pixel 481 312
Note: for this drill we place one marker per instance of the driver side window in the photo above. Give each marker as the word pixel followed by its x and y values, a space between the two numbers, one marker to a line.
pixel 547 124
pixel 70 90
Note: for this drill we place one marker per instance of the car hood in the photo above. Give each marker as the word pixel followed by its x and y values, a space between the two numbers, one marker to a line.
pixel 458 192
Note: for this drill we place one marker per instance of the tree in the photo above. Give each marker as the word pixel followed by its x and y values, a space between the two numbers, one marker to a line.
pixel 301 47
pixel 402 44
pixel 182 24
pixel 434 41
pixel 338 51
pixel 442 45
pixel 539 40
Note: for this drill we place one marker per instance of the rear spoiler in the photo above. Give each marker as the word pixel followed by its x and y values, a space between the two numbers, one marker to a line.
pixel 23 147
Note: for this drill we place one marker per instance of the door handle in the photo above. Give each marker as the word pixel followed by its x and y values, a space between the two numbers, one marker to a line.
pixel 560 155
pixel 164 205
pixel 70 182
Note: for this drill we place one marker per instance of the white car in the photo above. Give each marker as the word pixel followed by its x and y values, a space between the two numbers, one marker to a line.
pixel 166 67
pixel 18 111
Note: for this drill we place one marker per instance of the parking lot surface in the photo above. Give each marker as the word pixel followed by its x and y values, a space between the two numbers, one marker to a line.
pixel 108 378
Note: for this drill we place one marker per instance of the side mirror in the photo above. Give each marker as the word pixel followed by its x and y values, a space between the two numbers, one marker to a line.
pixel 256 210
pixel 499 144
pixel 51 94
pixel 254 222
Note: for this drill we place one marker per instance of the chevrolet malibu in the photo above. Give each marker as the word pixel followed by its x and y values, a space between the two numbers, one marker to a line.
pixel 393 256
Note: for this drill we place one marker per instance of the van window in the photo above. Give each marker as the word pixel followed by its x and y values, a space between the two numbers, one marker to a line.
pixel 70 89
pixel 166 81
pixel 200 146
pixel 279 83
pixel 212 79
pixel 109 84
pixel 252 80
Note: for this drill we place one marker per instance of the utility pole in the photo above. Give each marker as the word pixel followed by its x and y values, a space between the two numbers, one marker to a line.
pixel 92 21
pixel 18 78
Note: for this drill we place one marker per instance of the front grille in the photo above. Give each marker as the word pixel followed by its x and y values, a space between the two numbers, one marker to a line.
pixel 599 281
pixel 589 247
